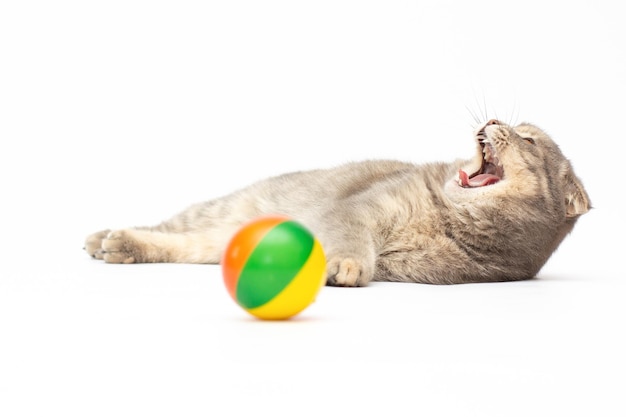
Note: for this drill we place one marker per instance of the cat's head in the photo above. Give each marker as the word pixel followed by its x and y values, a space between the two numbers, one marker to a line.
pixel 521 162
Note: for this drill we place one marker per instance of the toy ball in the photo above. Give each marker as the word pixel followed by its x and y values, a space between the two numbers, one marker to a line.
pixel 273 267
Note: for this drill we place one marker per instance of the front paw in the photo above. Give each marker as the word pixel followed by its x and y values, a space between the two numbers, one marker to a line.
pixel 93 244
pixel 348 272
pixel 120 247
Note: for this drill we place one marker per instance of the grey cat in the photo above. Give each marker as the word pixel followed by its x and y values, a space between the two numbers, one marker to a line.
pixel 496 217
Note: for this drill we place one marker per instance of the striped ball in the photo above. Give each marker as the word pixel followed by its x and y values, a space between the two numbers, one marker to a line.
pixel 273 267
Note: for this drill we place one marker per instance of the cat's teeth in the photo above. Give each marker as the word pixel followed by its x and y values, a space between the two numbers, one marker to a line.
pixel 488 154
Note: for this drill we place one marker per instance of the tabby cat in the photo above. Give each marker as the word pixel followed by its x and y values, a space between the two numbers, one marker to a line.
pixel 496 217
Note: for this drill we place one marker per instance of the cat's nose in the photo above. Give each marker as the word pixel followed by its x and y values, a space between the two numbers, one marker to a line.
pixel 493 122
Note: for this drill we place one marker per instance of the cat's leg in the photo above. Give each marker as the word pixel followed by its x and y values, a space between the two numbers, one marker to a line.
pixel 350 253
pixel 146 246
pixel 142 245
pixel 198 234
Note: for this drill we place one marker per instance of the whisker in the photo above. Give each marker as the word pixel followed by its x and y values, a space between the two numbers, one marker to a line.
pixel 516 120
pixel 481 109
pixel 476 119
pixel 485 116
pixel 512 113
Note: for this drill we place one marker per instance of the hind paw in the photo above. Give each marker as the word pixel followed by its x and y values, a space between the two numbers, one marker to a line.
pixel 347 272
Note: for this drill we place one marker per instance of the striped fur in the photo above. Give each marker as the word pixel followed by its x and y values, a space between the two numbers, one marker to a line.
pixel 393 221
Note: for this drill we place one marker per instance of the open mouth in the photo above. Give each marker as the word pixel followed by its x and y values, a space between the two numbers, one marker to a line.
pixel 491 170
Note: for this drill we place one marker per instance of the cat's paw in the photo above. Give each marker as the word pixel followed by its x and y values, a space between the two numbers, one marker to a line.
pixel 347 272
pixel 121 247
pixel 93 244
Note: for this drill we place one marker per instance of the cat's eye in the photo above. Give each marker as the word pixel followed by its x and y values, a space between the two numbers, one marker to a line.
pixel 530 140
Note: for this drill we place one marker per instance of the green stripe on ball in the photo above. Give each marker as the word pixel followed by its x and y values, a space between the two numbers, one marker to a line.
pixel 274 262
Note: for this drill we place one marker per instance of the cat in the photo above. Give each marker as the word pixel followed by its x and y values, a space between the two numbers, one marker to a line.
pixel 496 217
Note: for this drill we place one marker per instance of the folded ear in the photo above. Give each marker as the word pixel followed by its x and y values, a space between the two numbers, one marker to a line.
pixel 576 198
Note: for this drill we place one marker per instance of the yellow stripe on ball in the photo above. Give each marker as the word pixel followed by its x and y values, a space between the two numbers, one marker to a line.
pixel 300 292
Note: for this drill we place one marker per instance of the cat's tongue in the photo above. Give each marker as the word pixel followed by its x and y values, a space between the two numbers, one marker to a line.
pixel 479 180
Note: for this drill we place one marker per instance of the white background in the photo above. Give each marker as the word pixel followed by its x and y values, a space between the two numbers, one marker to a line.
pixel 122 113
